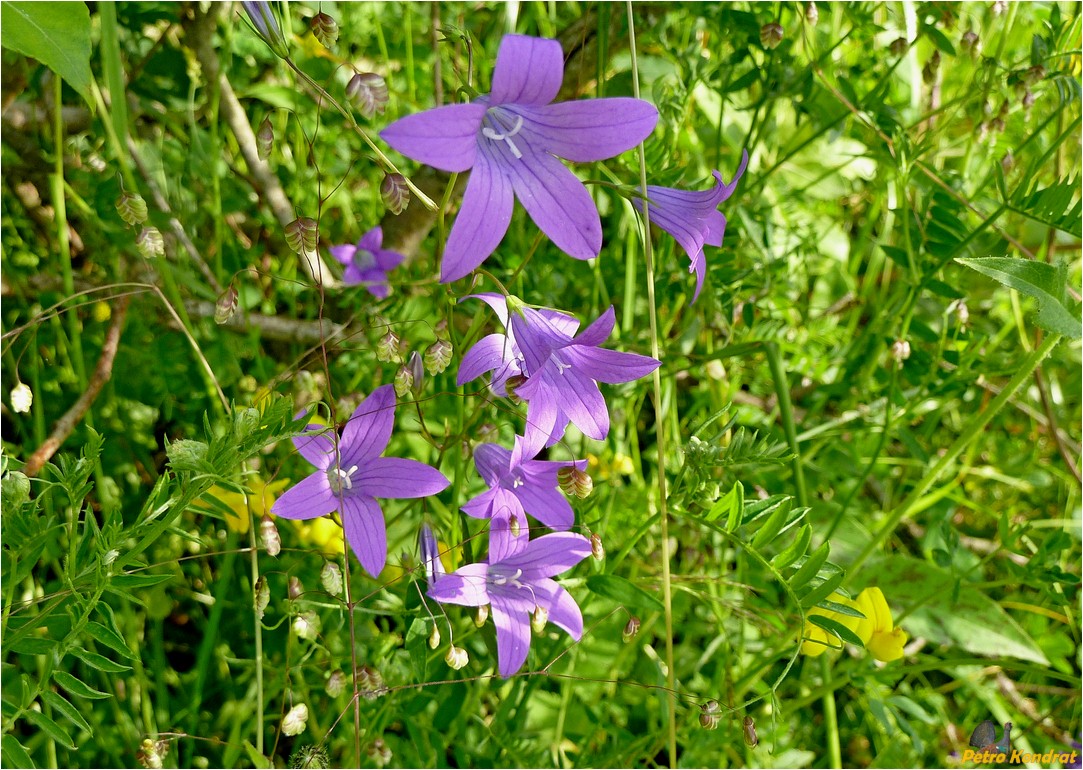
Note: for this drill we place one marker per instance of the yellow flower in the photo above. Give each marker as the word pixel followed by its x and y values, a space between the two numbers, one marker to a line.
pixel 876 630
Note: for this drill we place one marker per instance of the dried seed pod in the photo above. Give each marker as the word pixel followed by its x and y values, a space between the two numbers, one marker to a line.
pixel 575 482
pixel 226 306
pixel 331 578
pixel 751 739
pixel 368 92
pixel 631 629
pixel 434 637
pixel 302 235
pixel 132 208
pixel 539 619
pixel 262 596
pixel 771 35
pixel 404 381
pixel 150 243
pixel 395 193
pixel 438 356
pixel 710 715
pixel 307 625
pixel 482 615
pixel 597 548
pixel 456 657
pixel 336 683
pixel 370 683
pixel 296 720
pixel 265 139
pixel 269 537
pixel 296 587
pixel 325 29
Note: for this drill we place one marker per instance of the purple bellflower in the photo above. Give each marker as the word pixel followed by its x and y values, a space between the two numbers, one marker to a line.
pixel 558 372
pixel 692 217
pixel 520 484
pixel 517 584
pixel 511 138
pixel 367 264
pixel 350 475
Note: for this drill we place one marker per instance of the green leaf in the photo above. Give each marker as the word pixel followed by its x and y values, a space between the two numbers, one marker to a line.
pixel 836 628
pixel 14 754
pixel 258 761
pixel 78 687
pixel 817 594
pixel 620 590
pixel 100 662
pixel 1045 282
pixel 771 527
pixel 109 638
pixel 32 645
pixel 811 567
pixel 59 703
pixel 49 727
pixel 127 581
pixel 791 553
pixel 56 34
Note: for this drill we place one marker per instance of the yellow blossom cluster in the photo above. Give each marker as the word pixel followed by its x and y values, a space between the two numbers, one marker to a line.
pixel 876 630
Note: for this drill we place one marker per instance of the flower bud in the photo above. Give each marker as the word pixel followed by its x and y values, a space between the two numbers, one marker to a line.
pixel 811 14
pixel 325 29
pixel 456 657
pixel 710 715
pixel 417 370
pixel 514 525
pixel 379 752
pixel 370 683
pixel 999 7
pixel 150 243
pixel 597 548
pixel 970 42
pixel 574 481
pixel 434 637
pixel 265 139
pixel 262 596
pixel 336 683
pixel 899 46
pixel 132 208
pixel 110 556
pixel 959 308
pixel 307 625
pixel 928 72
pixel 302 235
pixel 269 537
pixel 751 739
pixel 296 587
pixel 22 398
pixel 368 92
pixel 900 350
pixel 226 306
pixel 296 720
pixel 438 356
pixel 539 619
pixel 267 27
pixel 1034 74
pixel 331 578
pixel 482 615
pixel 151 753
pixel 395 193
pixel 387 349
pixel 771 35
pixel 513 383
pixel 631 629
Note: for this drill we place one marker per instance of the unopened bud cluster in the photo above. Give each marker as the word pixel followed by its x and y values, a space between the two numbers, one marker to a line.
pixel 269 537
pixel 710 713
pixel 395 193
pixel 368 92
pixel 331 578
pixel 325 29
pixel 302 235
pixel 771 35
pixel 574 482
pixel 150 243
pixel 132 208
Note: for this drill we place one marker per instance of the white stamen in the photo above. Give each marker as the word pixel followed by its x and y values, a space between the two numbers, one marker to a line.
pixel 562 366
pixel 512 580
pixel 342 479
pixel 490 133
pixel 518 482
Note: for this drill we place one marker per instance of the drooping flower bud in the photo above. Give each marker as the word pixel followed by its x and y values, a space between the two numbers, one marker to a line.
pixel 388 348
pixel 574 481
pixel 417 371
pixel 751 739
pixel 269 537
pixel 226 306
pixel 812 15
pixel 262 596
pixel 970 42
pixel 597 548
pixel 267 27
pixel 151 753
pixel 434 637
pixel 132 208
pixel 899 46
pixel 710 715
pixel 928 72
pixel 456 657
pixel 395 193
pixel 368 92
pixel 438 356
pixel 265 139
pixel 631 629
pixel 771 35
pixel 296 720
pixel 514 525
pixel 302 235
pixel 370 683
pixel 296 587
pixel 22 398
pixel 539 619
pixel 336 683
pixel 482 615
pixel 325 29
pixel 331 578
pixel 150 243
pixel 379 752
pixel 900 350
pixel 307 625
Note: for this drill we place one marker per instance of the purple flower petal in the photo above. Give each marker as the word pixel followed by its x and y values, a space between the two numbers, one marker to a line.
pixel 544 422
pixel 363 522
pixel 528 70
pixel 545 503
pixel 490 353
pixel 550 555
pixel 465 586
pixel 481 506
pixel 716 229
pixel 558 203
pixel 505 540
pixel 369 428
pixel 610 366
pixel 492 462
pixel 599 331
pixel 387 261
pixel 537 338
pixel 563 611
pixel 317 446
pixel 344 254
pixel 372 240
pixel 308 498
pixel 496 302
pixel 590 129
pixel 398 478
pixel 512 631
pixel 578 397
pixel 482 221
pixel 445 137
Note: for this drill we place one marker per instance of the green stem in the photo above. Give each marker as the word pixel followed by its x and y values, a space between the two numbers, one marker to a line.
pixel 258 628
pixel 971 432
pixel 659 419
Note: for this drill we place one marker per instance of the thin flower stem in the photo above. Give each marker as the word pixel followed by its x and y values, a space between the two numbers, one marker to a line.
pixel 659 420
pixel 353 650
pixel 390 167
pixel 258 630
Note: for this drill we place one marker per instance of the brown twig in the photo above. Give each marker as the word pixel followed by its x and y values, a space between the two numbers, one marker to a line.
pixel 102 372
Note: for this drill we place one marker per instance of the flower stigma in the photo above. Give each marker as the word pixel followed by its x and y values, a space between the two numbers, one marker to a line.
pixel 498 117
pixel 340 479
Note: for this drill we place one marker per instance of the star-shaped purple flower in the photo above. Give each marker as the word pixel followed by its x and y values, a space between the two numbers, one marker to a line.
pixel 351 474
pixel 692 217
pixel 520 484
pixel 511 138
pixel 561 370
pixel 517 584
pixel 367 264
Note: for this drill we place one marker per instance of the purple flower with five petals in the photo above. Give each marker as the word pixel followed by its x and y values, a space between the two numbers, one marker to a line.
pixel 692 217
pixel 351 474
pixel 520 484
pixel 517 584
pixel 561 370
pixel 367 264
pixel 511 138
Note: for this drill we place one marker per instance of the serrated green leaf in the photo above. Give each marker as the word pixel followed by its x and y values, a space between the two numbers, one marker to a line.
pixel 56 34
pixel 59 703
pixel 109 638
pixel 14 753
pixel 1045 282
pixel 49 727
pixel 835 628
pixel 78 687
pixel 620 590
pixel 100 662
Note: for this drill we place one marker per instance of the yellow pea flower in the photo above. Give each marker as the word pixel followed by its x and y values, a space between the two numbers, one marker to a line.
pixel 817 640
pixel 876 630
